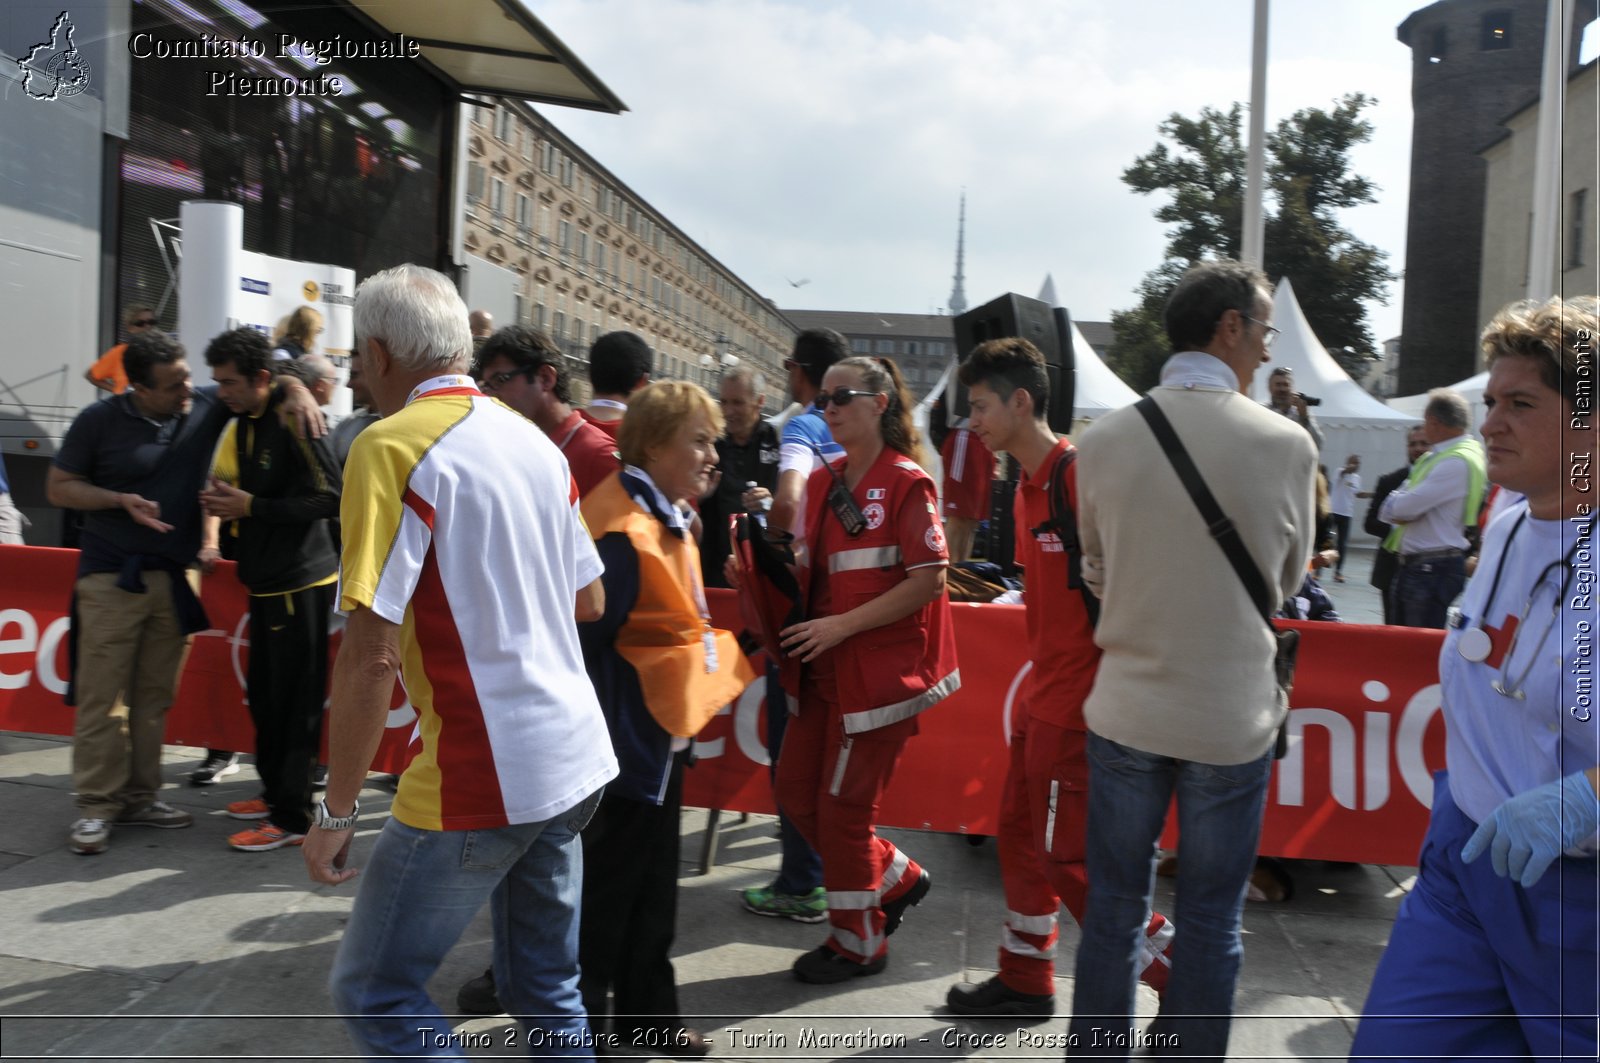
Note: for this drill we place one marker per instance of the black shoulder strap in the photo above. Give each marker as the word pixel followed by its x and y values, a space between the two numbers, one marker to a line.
pixel 1064 522
pixel 1217 523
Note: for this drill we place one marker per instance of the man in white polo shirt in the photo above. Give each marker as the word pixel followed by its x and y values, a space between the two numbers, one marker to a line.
pixel 465 565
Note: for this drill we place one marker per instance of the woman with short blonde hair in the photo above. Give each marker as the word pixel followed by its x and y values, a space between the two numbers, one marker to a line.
pixel 661 672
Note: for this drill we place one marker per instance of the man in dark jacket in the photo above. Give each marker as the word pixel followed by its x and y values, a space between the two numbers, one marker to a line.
pixel 269 502
pixel 747 467
pixel 1386 561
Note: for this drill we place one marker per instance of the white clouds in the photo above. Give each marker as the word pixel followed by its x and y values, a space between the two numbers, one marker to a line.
pixel 831 140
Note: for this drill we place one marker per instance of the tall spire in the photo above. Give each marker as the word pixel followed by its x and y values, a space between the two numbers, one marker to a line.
pixel 958 297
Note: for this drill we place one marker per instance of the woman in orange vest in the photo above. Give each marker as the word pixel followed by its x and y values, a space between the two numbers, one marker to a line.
pixel 661 672
pixel 877 649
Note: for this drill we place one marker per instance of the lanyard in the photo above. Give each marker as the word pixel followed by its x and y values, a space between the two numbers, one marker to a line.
pixel 447 384
pixel 562 446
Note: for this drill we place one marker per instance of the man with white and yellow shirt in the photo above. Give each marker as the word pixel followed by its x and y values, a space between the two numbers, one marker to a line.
pixel 267 506
pixel 465 567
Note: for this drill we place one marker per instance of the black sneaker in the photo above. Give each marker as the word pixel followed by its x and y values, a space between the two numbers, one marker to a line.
pixel 217 765
pixel 895 910
pixel 994 997
pixel 824 966
pixel 477 996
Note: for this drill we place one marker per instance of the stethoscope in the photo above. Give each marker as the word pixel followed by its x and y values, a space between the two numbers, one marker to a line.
pixel 1475 645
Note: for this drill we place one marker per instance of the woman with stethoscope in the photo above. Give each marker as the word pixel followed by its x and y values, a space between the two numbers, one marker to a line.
pixel 1496 948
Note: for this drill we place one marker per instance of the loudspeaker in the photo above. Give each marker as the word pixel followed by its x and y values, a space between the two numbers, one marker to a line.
pixel 1048 329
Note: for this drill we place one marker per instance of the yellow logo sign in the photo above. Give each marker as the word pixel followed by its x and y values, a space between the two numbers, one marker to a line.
pixel 310 290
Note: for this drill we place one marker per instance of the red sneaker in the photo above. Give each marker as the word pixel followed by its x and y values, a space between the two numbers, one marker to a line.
pixel 1156 950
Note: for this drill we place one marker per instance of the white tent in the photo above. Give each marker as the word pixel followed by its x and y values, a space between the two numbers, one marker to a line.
pixel 1471 389
pixel 1098 389
pixel 1351 421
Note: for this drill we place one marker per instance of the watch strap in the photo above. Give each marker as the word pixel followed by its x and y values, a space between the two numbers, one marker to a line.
pixel 328 821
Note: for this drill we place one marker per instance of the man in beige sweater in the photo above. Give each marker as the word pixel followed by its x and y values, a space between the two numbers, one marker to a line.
pixel 1185 701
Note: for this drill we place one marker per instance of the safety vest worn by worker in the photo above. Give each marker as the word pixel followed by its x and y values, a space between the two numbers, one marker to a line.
pixel 1468 450
pixel 896 671
pixel 666 634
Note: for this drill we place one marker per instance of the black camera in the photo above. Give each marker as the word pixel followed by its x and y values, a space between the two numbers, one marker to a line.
pixel 1310 401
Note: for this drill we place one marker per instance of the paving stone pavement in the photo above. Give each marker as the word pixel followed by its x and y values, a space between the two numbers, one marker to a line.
pixel 170 945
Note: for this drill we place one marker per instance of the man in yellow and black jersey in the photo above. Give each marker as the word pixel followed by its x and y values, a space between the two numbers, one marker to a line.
pixel 268 505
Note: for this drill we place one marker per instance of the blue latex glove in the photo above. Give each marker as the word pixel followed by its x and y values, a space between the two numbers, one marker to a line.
pixel 1527 833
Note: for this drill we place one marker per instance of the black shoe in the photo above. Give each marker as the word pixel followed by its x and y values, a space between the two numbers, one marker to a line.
pixel 687 1044
pixel 477 996
pixel 824 966
pixel 216 765
pixel 319 777
pixel 895 910
pixel 994 997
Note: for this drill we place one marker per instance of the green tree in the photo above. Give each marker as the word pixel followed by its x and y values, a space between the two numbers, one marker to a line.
pixel 1200 165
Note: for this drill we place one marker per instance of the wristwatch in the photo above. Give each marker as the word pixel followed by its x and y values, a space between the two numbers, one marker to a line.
pixel 328 821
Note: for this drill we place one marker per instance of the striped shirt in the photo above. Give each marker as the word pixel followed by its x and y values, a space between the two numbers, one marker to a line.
pixel 461 525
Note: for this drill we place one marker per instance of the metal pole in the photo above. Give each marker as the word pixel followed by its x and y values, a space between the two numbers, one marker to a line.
pixel 1544 244
pixel 1252 239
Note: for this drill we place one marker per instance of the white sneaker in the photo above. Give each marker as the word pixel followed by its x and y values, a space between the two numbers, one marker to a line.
pixel 90 836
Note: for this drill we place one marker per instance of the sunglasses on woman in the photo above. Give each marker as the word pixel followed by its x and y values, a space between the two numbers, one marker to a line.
pixel 839 397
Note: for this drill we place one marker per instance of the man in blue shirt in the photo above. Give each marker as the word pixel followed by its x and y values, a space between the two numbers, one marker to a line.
pixel 806 441
pixel 134 465
pixel 797 892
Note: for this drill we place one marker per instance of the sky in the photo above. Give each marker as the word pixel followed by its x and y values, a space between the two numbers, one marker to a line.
pixel 829 141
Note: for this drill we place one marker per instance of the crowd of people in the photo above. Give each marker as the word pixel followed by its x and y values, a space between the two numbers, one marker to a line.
pixel 558 691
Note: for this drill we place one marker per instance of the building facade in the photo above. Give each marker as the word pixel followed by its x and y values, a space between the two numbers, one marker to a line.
pixel 1508 198
pixel 920 344
pixel 591 256
pixel 1473 62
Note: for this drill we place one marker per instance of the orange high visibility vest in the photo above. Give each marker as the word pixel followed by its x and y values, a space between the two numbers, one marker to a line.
pixel 664 637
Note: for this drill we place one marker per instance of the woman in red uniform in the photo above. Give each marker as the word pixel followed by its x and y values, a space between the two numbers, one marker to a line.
pixel 877 649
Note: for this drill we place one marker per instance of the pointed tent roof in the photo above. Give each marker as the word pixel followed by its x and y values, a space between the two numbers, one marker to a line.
pixel 1315 371
pixel 1471 389
pixel 1099 389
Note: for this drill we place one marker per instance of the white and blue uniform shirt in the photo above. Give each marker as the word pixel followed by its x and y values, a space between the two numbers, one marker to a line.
pixel 1537 576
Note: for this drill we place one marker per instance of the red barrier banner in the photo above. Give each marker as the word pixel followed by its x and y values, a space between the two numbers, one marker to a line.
pixel 1365 731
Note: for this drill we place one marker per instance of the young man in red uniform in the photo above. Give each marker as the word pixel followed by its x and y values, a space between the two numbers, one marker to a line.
pixel 968 468
pixel 619 364
pixel 1044 808
pixel 523 369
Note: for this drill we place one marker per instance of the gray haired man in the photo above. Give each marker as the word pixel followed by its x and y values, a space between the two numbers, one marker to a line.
pixel 1432 512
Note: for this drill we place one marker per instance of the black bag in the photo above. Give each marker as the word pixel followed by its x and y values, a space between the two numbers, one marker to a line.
pixel 1063 522
pixel 1227 536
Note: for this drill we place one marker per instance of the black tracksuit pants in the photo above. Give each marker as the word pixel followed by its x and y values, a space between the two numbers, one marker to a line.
pixel 288 684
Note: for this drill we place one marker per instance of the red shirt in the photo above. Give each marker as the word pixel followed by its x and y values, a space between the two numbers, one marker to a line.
pixel 608 427
pixel 590 452
pixel 1060 637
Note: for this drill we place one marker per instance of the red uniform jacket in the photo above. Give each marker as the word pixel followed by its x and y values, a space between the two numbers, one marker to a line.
pixel 896 671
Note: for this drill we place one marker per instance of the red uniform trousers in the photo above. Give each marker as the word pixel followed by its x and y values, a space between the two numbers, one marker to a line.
pixel 1043 836
pixel 831 784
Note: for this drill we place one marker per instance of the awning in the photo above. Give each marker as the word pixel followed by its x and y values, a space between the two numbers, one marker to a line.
pixel 494 47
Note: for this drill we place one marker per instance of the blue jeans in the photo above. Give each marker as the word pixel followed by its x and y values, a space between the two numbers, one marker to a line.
pixel 419 891
pixel 1219 822
pixel 1421 593
pixel 800 868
